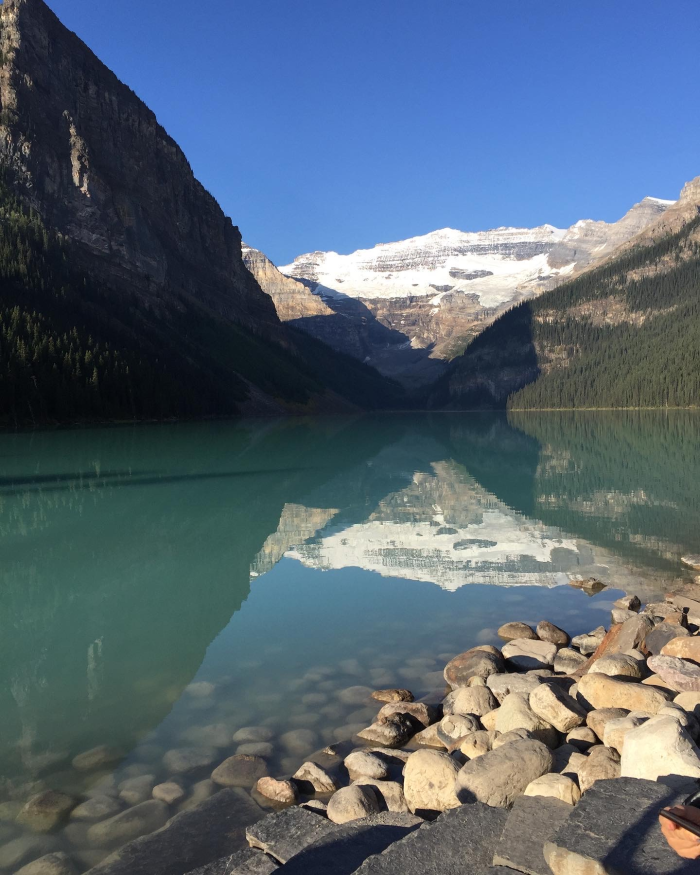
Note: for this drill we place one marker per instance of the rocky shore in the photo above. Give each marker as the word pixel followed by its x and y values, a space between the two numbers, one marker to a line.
pixel 548 754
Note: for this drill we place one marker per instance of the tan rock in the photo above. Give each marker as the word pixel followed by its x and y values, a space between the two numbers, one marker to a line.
pixel 429 781
pixel 425 714
pixel 601 691
pixel 557 786
pixel 660 749
pixel 690 702
pixel 279 791
pixel 352 803
pixel 601 763
pixel 478 743
pixel 470 700
pixel 392 695
pixel 317 778
pixel 617 665
pixel 391 792
pixel 582 737
pixel 523 654
pixel 511 631
pixel 616 731
pixel 556 707
pixel 683 647
pixel 499 777
pixel 547 631
pixel 516 713
pixel 598 719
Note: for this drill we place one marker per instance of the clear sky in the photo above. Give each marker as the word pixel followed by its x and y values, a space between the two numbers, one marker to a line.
pixel 338 124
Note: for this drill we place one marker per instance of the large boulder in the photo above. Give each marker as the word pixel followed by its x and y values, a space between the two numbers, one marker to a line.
pixel 429 781
pixel 679 674
pixel 662 635
pixel 473 663
pixel 352 803
pixel 556 707
pixel 600 691
pixel 523 654
pixel 660 749
pixel 617 665
pixel 497 778
pixel 633 633
pixel 470 700
pixel 683 647
pixel 516 713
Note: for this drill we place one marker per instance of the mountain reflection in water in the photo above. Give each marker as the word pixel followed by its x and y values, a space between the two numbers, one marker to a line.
pixel 127 551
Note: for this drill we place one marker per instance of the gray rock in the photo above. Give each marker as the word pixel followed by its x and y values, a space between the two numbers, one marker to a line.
pixel 502 685
pixel 213 735
pixel 170 792
pixel 589 642
pixel 97 758
pixel 629 603
pixel 547 631
pixel 390 794
pixel 498 740
pixel 313 779
pixel 281 791
pixel 454 727
pixel 662 635
pixel 250 734
pixel 201 835
pixel 605 833
pixel 240 770
pixel 183 760
pixel 136 790
pixel 429 738
pixel 46 811
pixel 361 764
pixel 598 718
pixel 97 808
pixel 473 663
pixel 617 665
pixel 532 822
pixel 523 654
pixel 567 661
pixel 620 615
pixel 600 764
pixel 286 833
pixel 394 732
pixel 343 851
pixel 393 695
pixel 352 803
pixel 246 862
pixel 128 825
pixel 660 749
pixel 26 847
pixel 633 633
pixel 512 631
pixel 50 864
pixel 470 700
pixel 557 707
pixel 459 841
pixel 499 777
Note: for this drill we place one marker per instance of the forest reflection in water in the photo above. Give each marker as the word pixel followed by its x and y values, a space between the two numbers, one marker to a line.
pixel 136 560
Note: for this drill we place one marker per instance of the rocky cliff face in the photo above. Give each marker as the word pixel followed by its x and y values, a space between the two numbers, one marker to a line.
pixel 440 290
pixel 92 159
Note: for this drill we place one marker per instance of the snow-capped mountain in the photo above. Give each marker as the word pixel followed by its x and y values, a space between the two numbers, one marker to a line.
pixel 435 292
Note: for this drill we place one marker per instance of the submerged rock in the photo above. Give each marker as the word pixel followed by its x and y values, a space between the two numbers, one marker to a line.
pixel 392 695
pixel 46 811
pixel 97 758
pixel 130 824
pixel 50 864
pixel 240 770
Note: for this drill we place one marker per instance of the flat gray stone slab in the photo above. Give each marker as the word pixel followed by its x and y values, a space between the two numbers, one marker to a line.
pixel 615 829
pixel 214 829
pixel 246 862
pixel 343 851
pixel 287 833
pixel 532 821
pixel 460 842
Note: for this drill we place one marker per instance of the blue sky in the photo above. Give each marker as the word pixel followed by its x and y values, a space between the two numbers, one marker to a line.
pixel 338 124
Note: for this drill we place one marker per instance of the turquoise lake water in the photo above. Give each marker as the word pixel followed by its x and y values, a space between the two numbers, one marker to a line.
pixel 284 562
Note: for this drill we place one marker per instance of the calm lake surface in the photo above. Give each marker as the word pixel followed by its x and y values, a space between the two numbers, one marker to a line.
pixel 164 586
